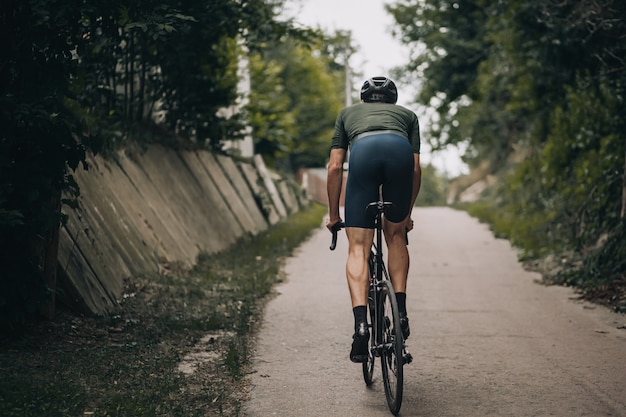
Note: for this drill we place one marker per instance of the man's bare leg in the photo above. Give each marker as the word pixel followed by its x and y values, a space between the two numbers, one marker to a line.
pixel 397 254
pixel 398 266
pixel 360 243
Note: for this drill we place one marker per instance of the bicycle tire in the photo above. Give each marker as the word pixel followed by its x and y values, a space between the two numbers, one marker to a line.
pixel 368 366
pixel 391 357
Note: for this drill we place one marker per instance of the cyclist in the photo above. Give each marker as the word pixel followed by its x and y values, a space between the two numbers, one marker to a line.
pixel 384 142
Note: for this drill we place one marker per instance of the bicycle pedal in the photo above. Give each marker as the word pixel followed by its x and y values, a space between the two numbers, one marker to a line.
pixel 407 358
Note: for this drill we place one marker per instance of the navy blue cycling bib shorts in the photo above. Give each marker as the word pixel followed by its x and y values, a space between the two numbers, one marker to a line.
pixel 381 159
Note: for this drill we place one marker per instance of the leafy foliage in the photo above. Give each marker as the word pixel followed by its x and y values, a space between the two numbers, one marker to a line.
pixel 84 74
pixel 537 89
pixel 433 188
pixel 41 136
pixel 297 93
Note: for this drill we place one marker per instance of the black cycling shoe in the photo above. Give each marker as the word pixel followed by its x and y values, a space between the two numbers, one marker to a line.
pixel 404 325
pixel 359 352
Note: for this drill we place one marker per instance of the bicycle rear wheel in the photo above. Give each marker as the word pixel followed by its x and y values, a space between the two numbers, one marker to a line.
pixel 391 356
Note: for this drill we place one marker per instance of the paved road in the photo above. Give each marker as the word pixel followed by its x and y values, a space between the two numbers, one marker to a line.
pixel 487 340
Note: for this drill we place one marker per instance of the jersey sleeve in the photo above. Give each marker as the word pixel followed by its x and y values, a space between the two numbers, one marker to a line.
pixel 340 136
pixel 414 136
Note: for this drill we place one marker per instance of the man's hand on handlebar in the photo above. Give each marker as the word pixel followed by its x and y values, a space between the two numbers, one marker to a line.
pixel 334 227
pixel 330 224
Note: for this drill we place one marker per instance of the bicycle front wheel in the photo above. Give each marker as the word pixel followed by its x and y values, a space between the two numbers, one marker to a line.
pixel 391 356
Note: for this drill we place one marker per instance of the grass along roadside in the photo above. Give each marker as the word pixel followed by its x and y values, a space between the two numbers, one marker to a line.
pixel 178 346
pixel 597 273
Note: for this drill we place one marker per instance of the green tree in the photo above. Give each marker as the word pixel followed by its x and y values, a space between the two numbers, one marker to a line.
pixel 536 89
pixel 452 37
pixel 83 73
pixel 299 90
pixel 119 81
pixel 433 188
pixel 273 124
pixel 40 137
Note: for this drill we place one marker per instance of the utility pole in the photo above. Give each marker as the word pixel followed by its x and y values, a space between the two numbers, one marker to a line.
pixel 348 73
pixel 347 53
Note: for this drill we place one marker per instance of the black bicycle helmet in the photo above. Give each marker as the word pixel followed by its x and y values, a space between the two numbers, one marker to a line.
pixel 379 89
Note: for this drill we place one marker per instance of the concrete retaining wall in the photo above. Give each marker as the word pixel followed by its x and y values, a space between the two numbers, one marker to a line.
pixel 140 211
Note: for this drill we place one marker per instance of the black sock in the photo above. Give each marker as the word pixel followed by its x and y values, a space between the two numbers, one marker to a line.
pixel 360 315
pixel 401 297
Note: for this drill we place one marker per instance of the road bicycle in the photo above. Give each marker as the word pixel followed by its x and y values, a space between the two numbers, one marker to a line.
pixel 386 337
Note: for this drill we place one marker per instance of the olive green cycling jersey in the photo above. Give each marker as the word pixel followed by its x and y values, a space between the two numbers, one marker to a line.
pixel 361 118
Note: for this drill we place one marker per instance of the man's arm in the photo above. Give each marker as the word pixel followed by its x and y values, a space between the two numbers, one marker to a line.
pixel 417 182
pixel 417 178
pixel 334 183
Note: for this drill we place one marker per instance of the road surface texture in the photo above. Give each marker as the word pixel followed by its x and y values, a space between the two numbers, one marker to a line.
pixel 487 340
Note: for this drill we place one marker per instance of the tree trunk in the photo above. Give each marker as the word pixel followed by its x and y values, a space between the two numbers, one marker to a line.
pixel 49 266
pixel 126 81
pixel 142 79
pixel 623 212
pixel 131 77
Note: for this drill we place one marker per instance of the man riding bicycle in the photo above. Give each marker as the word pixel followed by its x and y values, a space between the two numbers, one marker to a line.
pixel 384 142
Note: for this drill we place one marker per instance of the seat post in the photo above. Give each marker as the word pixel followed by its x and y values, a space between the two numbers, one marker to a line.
pixel 379 239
